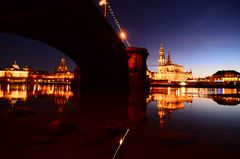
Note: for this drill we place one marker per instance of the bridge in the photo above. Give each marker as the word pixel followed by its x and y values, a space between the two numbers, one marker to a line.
pixel 78 29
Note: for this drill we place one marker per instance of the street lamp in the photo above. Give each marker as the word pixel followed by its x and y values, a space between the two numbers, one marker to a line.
pixel 101 3
pixel 123 35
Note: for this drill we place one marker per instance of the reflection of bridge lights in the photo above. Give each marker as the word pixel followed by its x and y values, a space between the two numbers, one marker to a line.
pixel 120 143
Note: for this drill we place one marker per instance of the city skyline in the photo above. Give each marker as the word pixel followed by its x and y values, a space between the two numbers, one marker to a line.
pixel 30 52
pixel 202 36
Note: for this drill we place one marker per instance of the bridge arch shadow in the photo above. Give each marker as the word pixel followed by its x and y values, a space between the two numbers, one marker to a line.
pixel 77 29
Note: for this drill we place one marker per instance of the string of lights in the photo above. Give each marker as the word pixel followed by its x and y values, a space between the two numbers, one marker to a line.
pixel 122 33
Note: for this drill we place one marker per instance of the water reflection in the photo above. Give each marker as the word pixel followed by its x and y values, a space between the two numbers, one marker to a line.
pixel 13 93
pixel 160 121
pixel 169 100
pixel 226 100
pixel 223 96
pixel 203 92
pixel 23 93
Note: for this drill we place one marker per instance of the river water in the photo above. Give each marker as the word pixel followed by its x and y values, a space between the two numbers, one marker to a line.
pixel 53 121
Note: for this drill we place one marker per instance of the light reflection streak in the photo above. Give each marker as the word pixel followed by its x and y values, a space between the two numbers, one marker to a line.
pixel 120 143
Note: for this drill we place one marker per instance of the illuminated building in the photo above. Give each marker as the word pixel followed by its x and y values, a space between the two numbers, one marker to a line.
pixel 226 76
pixel 62 67
pixel 169 71
pixel 14 74
pixel 2 73
pixel 62 74
pixel 42 77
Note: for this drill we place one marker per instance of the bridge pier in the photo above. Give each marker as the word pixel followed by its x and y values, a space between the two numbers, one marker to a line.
pixel 137 66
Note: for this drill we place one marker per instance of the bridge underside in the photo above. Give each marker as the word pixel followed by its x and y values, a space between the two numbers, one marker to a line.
pixel 75 27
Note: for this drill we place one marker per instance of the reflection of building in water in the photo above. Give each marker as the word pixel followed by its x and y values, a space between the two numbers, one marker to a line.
pixel 225 91
pixel 61 102
pixel 15 92
pixel 55 90
pixel 169 100
pixel 14 74
pixel 229 100
pixel 168 71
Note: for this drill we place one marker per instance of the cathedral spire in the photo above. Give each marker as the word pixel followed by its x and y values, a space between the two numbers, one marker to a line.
pixel 162 59
pixel 161 45
pixel 169 57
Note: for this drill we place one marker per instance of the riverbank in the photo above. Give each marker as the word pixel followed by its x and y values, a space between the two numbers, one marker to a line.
pixel 198 84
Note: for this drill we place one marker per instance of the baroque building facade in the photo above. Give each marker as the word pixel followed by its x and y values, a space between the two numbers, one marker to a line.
pixel 15 74
pixel 62 74
pixel 225 76
pixel 169 71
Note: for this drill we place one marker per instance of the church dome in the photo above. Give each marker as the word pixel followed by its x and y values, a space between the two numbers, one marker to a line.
pixel 62 67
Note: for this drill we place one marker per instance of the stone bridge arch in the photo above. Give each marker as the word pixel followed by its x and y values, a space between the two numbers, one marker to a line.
pixel 75 27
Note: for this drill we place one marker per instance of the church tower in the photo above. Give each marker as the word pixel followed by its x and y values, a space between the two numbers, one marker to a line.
pixel 162 59
pixel 169 61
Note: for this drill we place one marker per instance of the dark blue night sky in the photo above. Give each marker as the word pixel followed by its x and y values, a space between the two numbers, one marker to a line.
pixel 30 52
pixel 203 35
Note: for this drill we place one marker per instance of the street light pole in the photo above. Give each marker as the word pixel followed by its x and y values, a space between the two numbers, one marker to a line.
pixel 101 3
pixel 105 9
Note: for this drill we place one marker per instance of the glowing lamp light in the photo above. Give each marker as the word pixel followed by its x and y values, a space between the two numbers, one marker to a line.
pixel 183 83
pixel 102 2
pixel 121 141
pixel 122 35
